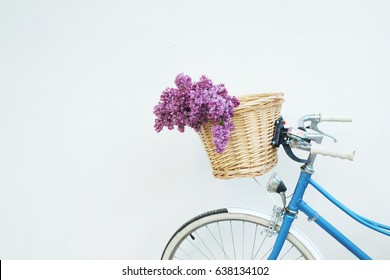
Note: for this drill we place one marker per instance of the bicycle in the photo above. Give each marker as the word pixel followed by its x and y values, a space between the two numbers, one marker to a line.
pixel 238 233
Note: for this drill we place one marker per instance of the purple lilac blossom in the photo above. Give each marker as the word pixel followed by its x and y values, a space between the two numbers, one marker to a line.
pixel 193 104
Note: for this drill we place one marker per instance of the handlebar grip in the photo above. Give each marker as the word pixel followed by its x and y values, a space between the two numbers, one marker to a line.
pixel 331 150
pixel 326 118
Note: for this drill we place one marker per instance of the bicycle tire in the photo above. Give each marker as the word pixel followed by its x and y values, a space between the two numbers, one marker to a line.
pixel 234 233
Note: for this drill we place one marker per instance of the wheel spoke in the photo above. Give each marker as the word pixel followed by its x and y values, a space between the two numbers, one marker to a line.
pixel 223 247
pixel 199 250
pixel 204 244
pixel 267 253
pixel 261 245
pixel 254 242
pixel 234 247
pixel 243 240
pixel 289 249
pixel 185 253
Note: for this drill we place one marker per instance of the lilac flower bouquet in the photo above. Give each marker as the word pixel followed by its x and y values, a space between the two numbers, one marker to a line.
pixel 194 104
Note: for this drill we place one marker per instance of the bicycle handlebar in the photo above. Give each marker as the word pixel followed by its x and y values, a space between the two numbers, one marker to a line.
pixel 326 118
pixel 310 140
pixel 331 150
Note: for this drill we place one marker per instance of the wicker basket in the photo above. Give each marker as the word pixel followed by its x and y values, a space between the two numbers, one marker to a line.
pixel 249 152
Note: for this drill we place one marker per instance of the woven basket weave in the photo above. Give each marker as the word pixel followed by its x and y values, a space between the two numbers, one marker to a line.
pixel 249 152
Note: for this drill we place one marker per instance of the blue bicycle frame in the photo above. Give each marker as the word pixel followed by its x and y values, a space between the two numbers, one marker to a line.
pixel 298 204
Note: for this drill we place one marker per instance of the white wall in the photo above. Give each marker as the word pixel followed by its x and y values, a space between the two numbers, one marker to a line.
pixel 83 175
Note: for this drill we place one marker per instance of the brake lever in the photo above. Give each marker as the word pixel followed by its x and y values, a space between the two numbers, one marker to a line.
pixel 314 126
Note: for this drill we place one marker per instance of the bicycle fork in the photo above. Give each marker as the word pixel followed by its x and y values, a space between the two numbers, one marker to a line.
pixel 284 229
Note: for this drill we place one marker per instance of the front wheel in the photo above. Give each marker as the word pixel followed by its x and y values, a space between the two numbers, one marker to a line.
pixel 231 234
